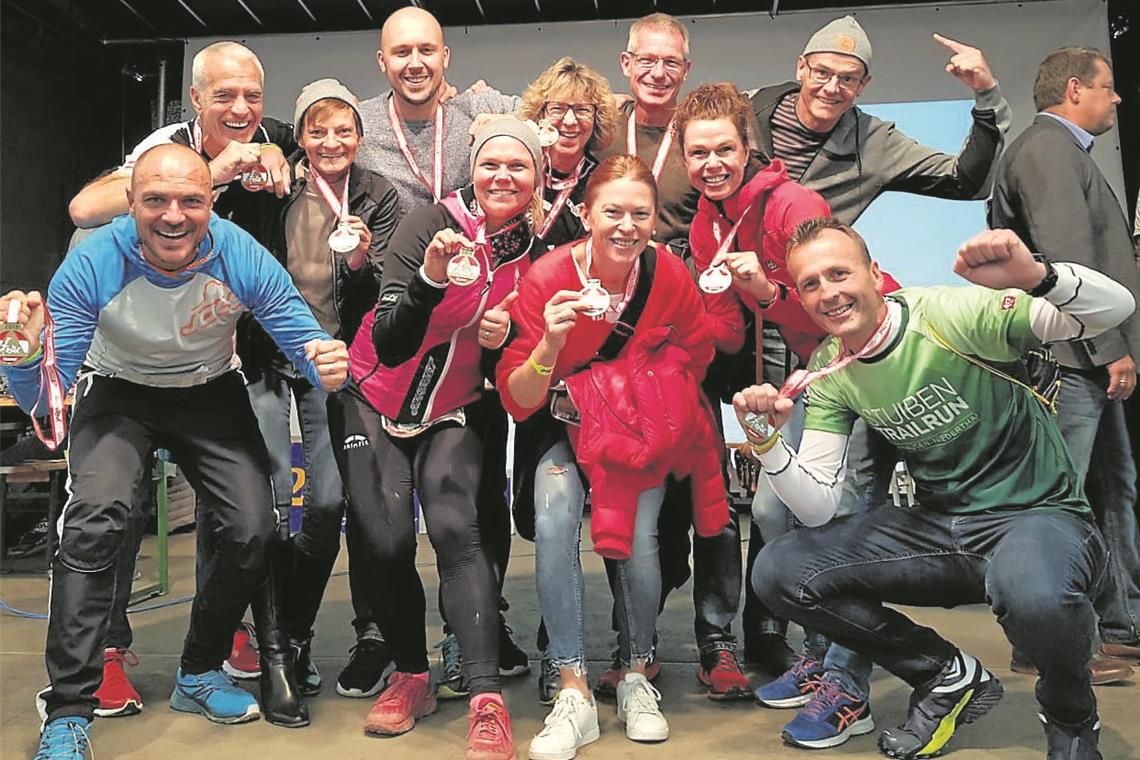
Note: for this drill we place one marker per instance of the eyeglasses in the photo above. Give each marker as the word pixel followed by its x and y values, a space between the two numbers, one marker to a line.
pixel 583 111
pixel 820 75
pixel 649 62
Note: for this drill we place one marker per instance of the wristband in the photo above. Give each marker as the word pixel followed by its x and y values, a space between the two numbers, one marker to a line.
pixel 275 146
pixel 540 369
pixel 775 297
pixel 759 449
pixel 31 358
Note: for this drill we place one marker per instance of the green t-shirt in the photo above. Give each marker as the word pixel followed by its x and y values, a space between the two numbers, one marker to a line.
pixel 973 441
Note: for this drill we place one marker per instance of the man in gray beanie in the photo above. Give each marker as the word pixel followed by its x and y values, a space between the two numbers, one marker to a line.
pixel 849 157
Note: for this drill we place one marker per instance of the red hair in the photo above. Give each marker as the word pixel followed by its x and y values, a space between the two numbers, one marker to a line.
pixel 617 167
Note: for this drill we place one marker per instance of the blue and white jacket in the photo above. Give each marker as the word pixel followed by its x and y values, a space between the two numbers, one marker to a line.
pixel 123 318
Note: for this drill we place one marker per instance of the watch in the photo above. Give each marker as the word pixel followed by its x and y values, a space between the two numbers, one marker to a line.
pixel 1047 282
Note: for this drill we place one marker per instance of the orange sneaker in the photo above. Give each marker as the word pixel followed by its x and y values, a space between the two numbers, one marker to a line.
pixel 117 697
pixel 407 698
pixel 489 729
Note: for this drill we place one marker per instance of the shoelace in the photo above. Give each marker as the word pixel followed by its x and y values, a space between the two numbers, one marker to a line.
pixel 490 723
pixel 824 699
pixel 802 666
pixel 451 655
pixel 642 698
pixel 564 709
pixel 57 749
pixel 725 662
pixel 121 656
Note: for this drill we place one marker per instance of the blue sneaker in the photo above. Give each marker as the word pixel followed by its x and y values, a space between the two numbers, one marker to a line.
pixel 795 687
pixel 215 695
pixel 65 738
pixel 832 717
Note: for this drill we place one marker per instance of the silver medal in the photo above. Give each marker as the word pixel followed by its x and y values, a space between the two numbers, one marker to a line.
pixel 758 424
pixel 596 299
pixel 547 133
pixel 463 269
pixel 255 179
pixel 715 279
pixel 344 239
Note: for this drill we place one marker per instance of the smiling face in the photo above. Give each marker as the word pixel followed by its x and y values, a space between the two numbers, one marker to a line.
pixel 330 139
pixel 504 179
pixel 715 157
pixel 574 131
pixel 170 199
pixel 656 68
pixel 620 219
pixel 412 55
pixel 229 103
pixel 839 286
pixel 822 103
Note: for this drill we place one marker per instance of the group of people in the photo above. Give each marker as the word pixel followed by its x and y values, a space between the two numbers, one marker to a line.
pixel 605 269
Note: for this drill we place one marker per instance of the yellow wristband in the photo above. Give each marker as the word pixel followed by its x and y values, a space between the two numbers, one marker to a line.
pixel 31 358
pixel 275 146
pixel 763 448
pixel 540 369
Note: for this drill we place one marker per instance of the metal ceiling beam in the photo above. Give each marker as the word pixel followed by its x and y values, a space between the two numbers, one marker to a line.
pixel 138 15
pixel 190 10
pixel 305 8
pixel 482 13
pixel 365 9
pixel 252 15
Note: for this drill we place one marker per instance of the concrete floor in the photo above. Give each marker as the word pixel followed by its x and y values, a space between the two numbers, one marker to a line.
pixel 700 728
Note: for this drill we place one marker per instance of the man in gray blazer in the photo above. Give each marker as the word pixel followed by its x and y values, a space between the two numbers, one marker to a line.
pixel 1050 192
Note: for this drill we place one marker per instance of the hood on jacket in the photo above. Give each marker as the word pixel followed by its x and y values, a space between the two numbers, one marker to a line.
pixel 126 235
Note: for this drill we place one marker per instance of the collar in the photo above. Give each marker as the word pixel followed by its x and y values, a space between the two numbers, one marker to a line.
pixel 1084 138
pixel 899 315
pixel 504 245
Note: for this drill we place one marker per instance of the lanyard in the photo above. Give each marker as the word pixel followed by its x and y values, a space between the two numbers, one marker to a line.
pixel 800 379
pixel 662 149
pixel 339 207
pixel 49 375
pixel 436 185
pixel 564 187
pixel 630 282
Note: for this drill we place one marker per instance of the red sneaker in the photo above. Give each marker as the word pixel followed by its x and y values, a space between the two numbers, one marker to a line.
pixel 117 697
pixel 244 661
pixel 406 698
pixel 720 674
pixel 489 729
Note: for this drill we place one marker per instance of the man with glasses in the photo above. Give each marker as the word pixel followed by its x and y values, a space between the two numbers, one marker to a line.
pixel 850 157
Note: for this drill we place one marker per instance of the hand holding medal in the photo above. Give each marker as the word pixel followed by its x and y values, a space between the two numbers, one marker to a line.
pixel 761 410
pixel 560 315
pixel 450 257
pixel 23 319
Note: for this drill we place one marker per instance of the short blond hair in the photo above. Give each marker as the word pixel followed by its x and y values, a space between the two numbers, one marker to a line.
pixel 576 81
pixel 658 22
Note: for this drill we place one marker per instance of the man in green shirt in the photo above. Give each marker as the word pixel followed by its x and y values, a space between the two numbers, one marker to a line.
pixel 1003 517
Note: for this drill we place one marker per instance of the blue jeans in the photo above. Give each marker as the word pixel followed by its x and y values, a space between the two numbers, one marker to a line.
pixel 1038 569
pixel 1094 424
pixel 774 520
pixel 558 500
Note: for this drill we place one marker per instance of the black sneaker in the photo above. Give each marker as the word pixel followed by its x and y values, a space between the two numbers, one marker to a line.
pixel 304 669
pixel 549 682
pixel 451 684
pixel 33 541
pixel 512 660
pixel 769 652
pixel 1072 742
pixel 369 665
pixel 963 692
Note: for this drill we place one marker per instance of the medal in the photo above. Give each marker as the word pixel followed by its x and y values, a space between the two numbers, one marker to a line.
pixel 547 133
pixel 463 269
pixel 758 424
pixel 596 299
pixel 255 179
pixel 344 239
pixel 715 279
pixel 14 344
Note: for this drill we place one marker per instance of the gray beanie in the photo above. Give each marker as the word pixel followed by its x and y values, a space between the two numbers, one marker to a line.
pixel 508 126
pixel 843 36
pixel 319 90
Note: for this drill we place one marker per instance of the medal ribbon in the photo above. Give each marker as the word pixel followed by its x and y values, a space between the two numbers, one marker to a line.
pixel 727 241
pixel 564 188
pixel 49 375
pixel 436 185
pixel 662 149
pixel 339 207
pixel 800 379
pixel 630 283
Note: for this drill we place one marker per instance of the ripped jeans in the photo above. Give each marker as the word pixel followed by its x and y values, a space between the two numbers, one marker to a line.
pixel 558 499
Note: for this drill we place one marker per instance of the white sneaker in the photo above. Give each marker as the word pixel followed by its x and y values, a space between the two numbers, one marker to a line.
pixel 573 723
pixel 637 708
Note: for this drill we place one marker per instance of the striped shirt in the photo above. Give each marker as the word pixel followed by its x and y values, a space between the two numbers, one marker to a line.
pixel 792 142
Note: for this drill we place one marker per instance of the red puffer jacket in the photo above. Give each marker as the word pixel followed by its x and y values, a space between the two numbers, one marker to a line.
pixel 644 417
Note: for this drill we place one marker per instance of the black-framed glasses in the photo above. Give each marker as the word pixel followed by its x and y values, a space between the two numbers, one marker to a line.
pixel 646 62
pixel 582 111
pixel 821 75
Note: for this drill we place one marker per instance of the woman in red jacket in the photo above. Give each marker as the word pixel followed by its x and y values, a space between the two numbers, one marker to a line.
pixel 641 416
pixel 409 419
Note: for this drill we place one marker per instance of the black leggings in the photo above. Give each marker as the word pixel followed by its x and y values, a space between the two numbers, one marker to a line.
pixel 443 465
